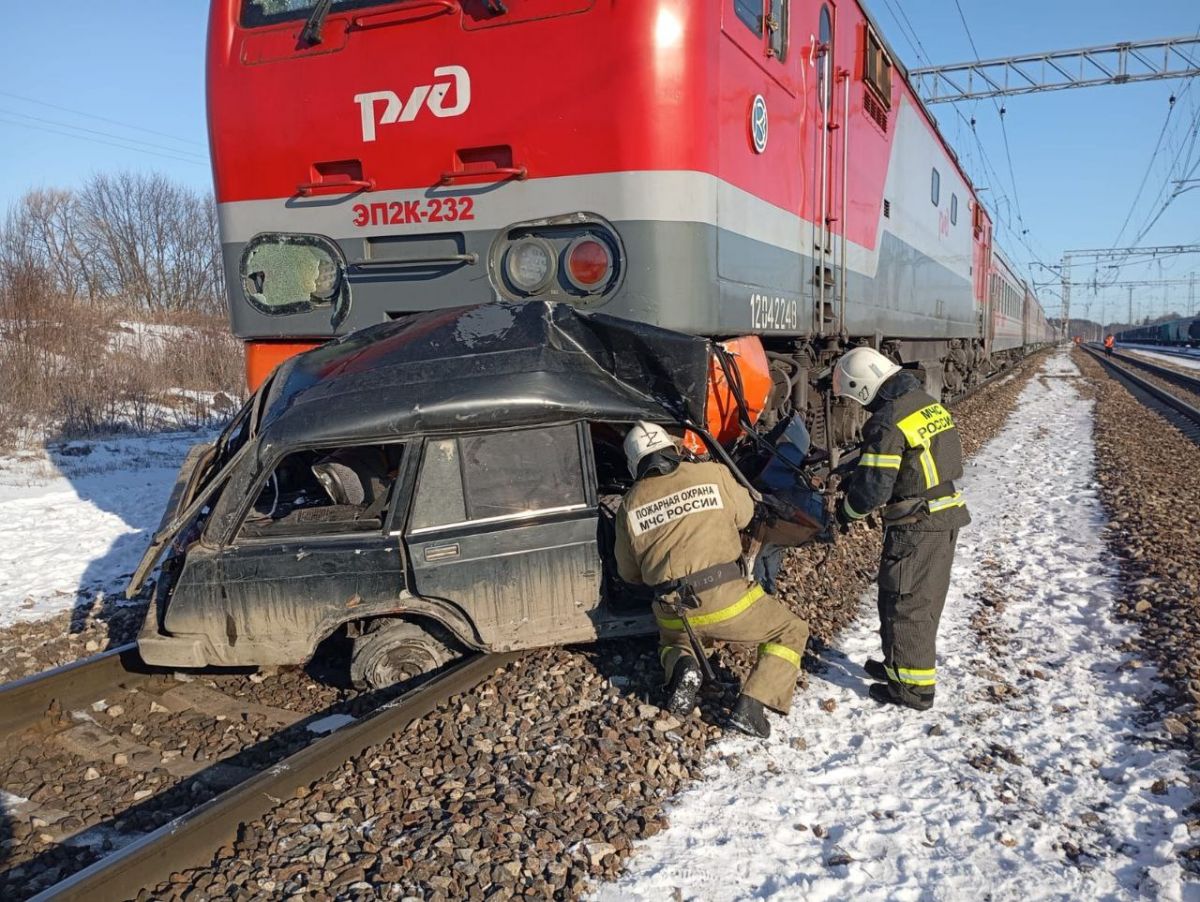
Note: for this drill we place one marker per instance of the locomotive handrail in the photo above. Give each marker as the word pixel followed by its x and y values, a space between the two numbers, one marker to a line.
pixel 519 173
pixel 337 182
pixel 447 260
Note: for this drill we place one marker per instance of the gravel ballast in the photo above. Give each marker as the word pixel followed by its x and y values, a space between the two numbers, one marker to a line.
pixel 1150 486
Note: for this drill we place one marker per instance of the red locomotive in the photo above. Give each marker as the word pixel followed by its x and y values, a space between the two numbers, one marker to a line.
pixel 728 168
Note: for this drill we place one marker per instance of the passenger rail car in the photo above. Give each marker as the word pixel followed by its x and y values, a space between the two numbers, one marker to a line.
pixel 728 168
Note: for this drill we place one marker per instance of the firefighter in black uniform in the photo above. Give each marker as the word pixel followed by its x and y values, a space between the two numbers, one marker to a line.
pixel 911 455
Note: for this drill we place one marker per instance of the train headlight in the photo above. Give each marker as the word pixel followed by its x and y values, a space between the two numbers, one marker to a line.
pixel 529 264
pixel 588 263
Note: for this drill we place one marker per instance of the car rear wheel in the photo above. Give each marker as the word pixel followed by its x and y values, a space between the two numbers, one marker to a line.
pixel 395 651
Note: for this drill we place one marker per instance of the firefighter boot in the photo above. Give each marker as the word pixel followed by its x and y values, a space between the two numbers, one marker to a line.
pixel 749 717
pixel 683 688
pixel 890 694
pixel 876 670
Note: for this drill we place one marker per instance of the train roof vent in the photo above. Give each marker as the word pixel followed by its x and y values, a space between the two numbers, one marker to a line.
pixel 873 108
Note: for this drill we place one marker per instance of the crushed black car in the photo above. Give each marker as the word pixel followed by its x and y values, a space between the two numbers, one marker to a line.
pixel 440 483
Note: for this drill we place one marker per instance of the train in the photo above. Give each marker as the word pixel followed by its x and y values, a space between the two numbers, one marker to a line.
pixel 741 168
pixel 1178 333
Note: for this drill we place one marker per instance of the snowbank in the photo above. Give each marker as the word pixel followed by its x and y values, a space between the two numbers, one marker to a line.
pixel 74 520
pixel 1037 775
pixel 1192 363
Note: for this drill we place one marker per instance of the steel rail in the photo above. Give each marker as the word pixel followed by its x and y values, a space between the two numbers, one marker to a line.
pixel 1159 349
pixel 24 702
pixel 1183 380
pixel 1188 416
pixel 192 839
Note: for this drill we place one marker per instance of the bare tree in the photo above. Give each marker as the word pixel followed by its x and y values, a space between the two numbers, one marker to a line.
pixel 155 243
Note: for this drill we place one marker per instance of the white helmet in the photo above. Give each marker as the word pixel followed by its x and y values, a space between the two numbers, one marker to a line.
pixel 860 372
pixel 643 439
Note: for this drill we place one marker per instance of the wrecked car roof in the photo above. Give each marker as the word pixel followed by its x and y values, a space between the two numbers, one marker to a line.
pixel 488 365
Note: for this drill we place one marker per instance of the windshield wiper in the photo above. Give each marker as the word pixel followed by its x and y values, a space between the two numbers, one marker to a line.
pixel 496 7
pixel 311 35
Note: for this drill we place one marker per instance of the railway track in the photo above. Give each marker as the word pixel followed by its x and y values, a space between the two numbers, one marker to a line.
pixel 180 837
pixel 1160 349
pixel 191 840
pixel 1179 411
pixel 189 805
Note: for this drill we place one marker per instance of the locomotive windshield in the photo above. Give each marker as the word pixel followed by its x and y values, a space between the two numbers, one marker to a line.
pixel 267 12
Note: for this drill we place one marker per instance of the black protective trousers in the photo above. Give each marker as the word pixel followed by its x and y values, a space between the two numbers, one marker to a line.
pixel 914 576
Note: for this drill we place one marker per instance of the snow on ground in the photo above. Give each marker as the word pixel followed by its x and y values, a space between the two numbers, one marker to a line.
pixel 1047 789
pixel 75 519
pixel 1175 359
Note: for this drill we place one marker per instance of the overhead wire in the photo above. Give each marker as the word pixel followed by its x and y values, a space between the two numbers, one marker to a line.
pixel 100 140
pixel 1146 175
pixel 99 118
pixel 133 142
pixel 1002 112
pixel 1155 212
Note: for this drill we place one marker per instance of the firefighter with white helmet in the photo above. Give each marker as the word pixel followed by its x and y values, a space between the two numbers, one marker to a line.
pixel 678 533
pixel 910 456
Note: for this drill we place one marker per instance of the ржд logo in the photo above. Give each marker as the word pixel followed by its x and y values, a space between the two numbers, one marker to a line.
pixel 432 96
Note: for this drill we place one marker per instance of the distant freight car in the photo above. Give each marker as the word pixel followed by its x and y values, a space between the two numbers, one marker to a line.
pixel 727 168
pixel 1182 333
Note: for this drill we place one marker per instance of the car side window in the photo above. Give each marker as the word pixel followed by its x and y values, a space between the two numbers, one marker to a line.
pixel 325 491
pixel 499 475
pixel 439 498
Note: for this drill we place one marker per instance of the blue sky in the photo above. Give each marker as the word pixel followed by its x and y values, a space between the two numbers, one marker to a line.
pixel 1078 157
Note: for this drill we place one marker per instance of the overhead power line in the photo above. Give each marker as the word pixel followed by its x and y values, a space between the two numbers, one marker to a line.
pixel 99 140
pixel 1018 232
pixel 134 143
pixel 1112 64
pixel 127 125
pixel 1012 175
pixel 1096 254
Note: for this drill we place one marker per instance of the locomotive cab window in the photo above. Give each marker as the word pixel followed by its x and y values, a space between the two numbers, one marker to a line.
pixel 751 13
pixel 267 12
pixel 499 475
pixel 878 69
pixel 327 491
pixel 935 187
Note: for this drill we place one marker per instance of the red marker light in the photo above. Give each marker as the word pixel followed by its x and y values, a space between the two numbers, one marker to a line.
pixel 589 263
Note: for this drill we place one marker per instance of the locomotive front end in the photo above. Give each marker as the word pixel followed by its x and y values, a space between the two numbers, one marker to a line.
pixel 438 154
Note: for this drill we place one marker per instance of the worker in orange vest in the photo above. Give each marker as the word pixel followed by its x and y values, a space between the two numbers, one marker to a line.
pixel 1108 345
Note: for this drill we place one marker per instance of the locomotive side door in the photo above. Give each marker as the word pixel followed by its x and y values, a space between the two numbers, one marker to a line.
pixel 503 526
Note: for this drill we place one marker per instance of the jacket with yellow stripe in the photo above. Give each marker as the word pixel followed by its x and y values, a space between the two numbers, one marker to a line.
pixel 911 450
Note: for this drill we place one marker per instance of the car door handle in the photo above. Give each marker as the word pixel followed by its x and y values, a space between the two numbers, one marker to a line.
pixel 441 552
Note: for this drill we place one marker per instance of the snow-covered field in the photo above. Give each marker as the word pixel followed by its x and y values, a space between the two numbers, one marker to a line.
pixel 1037 774
pixel 74 520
